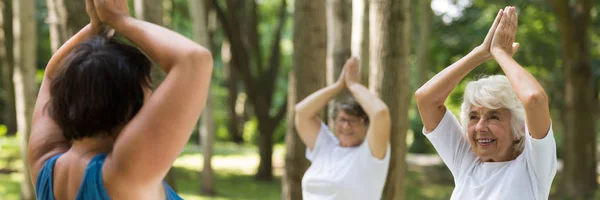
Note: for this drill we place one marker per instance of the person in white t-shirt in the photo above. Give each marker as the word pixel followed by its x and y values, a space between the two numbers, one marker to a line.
pixel 353 162
pixel 505 148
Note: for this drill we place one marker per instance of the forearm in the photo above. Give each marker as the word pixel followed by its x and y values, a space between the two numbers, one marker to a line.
pixel 54 64
pixel 312 105
pixel 162 45
pixel 370 103
pixel 523 83
pixel 438 88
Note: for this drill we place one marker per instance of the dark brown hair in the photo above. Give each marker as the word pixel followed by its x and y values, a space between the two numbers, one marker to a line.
pixel 99 88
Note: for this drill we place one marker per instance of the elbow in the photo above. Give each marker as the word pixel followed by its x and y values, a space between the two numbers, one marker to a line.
pixel 423 99
pixel 534 98
pixel 197 57
pixel 382 114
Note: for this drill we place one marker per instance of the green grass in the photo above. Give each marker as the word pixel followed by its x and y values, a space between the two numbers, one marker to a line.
pixel 234 168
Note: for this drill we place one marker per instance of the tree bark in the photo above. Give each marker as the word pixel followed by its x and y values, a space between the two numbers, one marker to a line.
pixel 339 18
pixel 365 69
pixel 574 20
pixel 389 29
pixel 24 22
pixel 7 57
pixel 307 76
pixel 65 19
pixel 199 13
pixel 419 144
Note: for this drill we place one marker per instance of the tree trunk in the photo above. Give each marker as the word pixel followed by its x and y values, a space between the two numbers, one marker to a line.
pixel 389 28
pixel 233 122
pixel 339 17
pixel 198 13
pixel 419 144
pixel 360 37
pixel 7 59
pixel 574 20
pixel 265 150
pixel 307 76
pixel 65 19
pixel 24 22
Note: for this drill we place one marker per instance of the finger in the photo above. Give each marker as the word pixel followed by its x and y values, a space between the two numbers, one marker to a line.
pixel 494 26
pixel 515 47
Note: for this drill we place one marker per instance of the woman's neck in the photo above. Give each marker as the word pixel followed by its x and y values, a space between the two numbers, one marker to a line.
pixel 93 145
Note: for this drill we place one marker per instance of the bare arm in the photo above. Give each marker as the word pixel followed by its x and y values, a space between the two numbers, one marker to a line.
pixel 149 144
pixel 527 88
pixel 46 139
pixel 378 134
pixel 307 120
pixel 431 96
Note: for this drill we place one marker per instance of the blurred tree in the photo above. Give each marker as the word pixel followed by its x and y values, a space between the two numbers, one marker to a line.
pixel 574 20
pixel 389 33
pixel 24 80
pixel 339 19
pixel 240 21
pixel 420 144
pixel 7 67
pixel 308 75
pixel 199 12
pixel 65 20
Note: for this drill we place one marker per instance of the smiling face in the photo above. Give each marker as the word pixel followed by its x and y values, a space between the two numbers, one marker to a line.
pixel 489 132
pixel 350 130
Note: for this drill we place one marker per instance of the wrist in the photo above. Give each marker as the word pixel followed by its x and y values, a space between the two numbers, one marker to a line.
pixel 479 55
pixel 497 52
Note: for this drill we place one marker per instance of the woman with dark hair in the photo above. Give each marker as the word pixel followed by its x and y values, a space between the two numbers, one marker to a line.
pixel 352 162
pixel 96 130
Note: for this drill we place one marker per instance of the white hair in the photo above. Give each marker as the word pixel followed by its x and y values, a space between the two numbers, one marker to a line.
pixel 495 92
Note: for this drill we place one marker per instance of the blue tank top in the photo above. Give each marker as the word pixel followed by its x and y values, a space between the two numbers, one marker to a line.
pixel 91 187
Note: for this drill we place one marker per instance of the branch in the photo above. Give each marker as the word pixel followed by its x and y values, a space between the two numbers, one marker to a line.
pixel 275 58
pixel 280 113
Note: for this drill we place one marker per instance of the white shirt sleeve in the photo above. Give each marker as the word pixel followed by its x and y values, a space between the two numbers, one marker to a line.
pixel 325 140
pixel 540 155
pixel 451 144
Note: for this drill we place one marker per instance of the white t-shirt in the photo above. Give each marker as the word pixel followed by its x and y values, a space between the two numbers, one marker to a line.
pixel 343 173
pixel 529 176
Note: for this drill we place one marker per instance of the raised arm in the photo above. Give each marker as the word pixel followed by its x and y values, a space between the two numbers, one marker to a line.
pixel 46 137
pixel 378 134
pixel 307 111
pixel 527 88
pixel 431 96
pixel 149 144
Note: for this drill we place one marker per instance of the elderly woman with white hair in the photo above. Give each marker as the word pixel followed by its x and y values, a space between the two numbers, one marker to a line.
pixel 505 148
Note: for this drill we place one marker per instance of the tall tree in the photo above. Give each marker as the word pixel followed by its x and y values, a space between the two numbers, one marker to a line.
pixel 240 21
pixel 307 76
pixel 65 19
pixel 574 20
pixel 360 37
pixel 24 22
pixel 339 18
pixel 419 144
pixel 198 10
pixel 7 67
pixel 389 28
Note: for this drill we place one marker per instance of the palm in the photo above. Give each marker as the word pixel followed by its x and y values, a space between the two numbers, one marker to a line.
pixel 351 71
pixel 504 35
